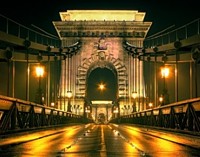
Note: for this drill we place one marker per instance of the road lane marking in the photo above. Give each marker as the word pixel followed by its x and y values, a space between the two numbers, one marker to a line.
pixel 103 145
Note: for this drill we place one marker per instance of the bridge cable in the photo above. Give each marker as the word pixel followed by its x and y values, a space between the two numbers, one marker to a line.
pixel 158 33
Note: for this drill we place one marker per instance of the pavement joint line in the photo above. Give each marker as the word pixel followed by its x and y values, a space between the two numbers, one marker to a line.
pixel 147 131
pixel 103 146
pixel 142 153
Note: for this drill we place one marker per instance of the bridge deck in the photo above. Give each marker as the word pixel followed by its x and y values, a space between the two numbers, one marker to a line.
pixel 101 140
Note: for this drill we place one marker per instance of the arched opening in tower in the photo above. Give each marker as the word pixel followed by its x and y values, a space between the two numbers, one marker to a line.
pixel 102 85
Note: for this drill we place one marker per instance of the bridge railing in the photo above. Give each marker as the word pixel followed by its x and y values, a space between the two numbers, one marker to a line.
pixel 183 116
pixel 13 28
pixel 188 30
pixel 16 114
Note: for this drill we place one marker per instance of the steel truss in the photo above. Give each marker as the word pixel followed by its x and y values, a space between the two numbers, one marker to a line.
pixel 21 115
pixel 184 115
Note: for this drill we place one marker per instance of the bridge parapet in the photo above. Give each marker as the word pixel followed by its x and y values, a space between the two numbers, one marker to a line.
pixel 184 32
pixel 182 116
pixel 19 115
pixel 11 27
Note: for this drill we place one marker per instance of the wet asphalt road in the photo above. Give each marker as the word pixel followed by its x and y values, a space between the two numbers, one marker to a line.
pixel 94 141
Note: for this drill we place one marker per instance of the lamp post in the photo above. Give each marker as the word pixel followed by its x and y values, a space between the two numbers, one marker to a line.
pixel 134 95
pixel 161 100
pixel 69 95
pixel 39 74
pixel 150 105
pixel 165 73
pixel 101 86
pixel 115 111
pixel 87 110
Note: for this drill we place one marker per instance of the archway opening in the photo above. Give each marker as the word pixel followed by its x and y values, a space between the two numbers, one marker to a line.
pixel 102 85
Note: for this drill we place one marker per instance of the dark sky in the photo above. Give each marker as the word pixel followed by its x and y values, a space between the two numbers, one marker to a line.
pixel 163 14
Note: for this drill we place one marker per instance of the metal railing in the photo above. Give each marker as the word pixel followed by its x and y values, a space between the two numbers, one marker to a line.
pixel 19 115
pixel 13 28
pixel 182 116
pixel 183 32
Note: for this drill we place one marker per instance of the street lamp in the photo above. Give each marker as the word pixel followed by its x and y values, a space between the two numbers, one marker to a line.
pixel 87 111
pixel 134 95
pixel 150 104
pixel 115 111
pixel 52 104
pixel 165 73
pixel 161 100
pixel 39 73
pixel 69 95
pixel 102 86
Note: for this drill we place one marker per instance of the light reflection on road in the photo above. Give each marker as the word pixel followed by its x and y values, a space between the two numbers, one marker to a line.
pixel 155 146
pixel 45 145
pixel 95 141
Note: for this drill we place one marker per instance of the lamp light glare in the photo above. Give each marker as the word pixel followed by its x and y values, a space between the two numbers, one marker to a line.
pixel 39 71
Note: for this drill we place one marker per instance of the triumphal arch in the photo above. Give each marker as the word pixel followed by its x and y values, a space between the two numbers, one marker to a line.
pixel 102 37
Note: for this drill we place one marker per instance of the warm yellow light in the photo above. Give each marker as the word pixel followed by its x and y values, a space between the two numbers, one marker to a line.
pixel 165 72
pixel 150 104
pixel 87 111
pixel 161 99
pixel 101 15
pixel 134 95
pixel 101 86
pixel 116 110
pixel 69 94
pixel 39 71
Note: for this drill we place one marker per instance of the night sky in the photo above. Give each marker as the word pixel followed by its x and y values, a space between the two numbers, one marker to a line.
pixel 163 14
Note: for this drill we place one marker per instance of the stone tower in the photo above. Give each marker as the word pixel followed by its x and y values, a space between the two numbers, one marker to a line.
pixel 102 34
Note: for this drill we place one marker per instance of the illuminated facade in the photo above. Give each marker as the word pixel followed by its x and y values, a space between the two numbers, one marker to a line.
pixel 102 33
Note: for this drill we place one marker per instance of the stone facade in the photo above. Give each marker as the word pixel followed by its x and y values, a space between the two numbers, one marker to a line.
pixel 102 34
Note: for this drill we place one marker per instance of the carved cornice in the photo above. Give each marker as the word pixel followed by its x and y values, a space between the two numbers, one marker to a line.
pixel 97 28
pixel 120 15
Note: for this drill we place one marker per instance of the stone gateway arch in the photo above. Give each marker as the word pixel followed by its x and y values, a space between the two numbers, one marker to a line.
pixel 103 37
